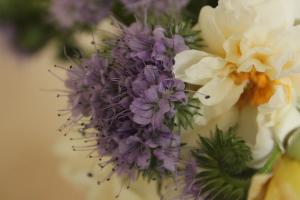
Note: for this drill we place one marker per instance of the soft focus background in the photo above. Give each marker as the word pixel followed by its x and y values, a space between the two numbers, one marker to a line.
pixel 29 168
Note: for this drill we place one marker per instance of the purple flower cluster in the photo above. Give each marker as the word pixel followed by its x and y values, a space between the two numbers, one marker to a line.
pixel 163 7
pixel 72 12
pixel 130 97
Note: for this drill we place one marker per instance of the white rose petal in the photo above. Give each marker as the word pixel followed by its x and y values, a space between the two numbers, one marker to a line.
pixel 217 89
pixel 184 60
pixel 205 69
pixel 211 32
pixel 221 100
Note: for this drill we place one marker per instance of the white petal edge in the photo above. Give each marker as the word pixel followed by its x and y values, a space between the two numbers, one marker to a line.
pixel 204 70
pixel 211 32
pixel 185 60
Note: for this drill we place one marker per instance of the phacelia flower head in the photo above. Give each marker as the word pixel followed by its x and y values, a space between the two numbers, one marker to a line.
pixel 86 12
pixel 130 97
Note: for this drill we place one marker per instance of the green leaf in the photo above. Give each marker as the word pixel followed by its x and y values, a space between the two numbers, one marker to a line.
pixel 223 162
pixel 185 113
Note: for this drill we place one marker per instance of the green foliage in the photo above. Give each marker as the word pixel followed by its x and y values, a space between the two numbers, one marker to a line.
pixel 182 27
pixel 122 14
pixel 273 158
pixel 223 162
pixel 30 21
pixel 185 114
pixel 32 25
pixel 185 29
pixel 192 37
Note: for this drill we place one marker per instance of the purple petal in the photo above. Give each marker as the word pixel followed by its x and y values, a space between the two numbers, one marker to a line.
pixel 141 120
pixel 152 94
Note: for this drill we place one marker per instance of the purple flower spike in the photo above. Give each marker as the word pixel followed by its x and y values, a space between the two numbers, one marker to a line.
pixel 129 97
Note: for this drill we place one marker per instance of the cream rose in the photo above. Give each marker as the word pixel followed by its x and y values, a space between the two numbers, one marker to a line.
pixel 251 54
pixel 238 16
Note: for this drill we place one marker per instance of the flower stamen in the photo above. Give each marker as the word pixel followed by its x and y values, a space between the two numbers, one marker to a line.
pixel 259 90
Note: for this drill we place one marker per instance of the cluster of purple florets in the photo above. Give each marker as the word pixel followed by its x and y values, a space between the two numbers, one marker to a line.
pixel 131 97
pixel 69 13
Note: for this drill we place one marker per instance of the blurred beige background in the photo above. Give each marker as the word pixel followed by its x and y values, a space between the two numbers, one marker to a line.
pixel 29 169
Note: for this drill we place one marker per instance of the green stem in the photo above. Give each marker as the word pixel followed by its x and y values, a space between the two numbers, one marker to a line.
pixel 159 187
pixel 274 157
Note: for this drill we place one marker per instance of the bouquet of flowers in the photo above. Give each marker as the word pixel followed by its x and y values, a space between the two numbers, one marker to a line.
pixel 204 110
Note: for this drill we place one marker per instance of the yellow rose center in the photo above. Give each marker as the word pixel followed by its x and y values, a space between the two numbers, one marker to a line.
pixel 259 90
